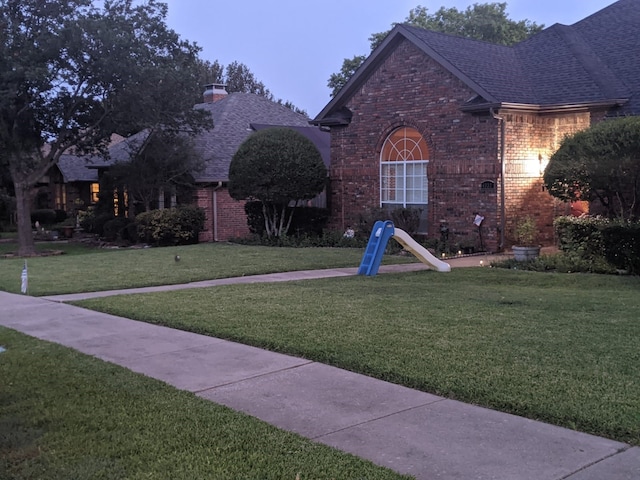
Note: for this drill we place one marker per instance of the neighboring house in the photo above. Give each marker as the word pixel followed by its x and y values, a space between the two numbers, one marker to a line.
pixel 73 183
pixel 235 117
pixel 457 127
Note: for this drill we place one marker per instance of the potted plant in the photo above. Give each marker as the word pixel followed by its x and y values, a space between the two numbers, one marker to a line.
pixel 67 227
pixel 525 234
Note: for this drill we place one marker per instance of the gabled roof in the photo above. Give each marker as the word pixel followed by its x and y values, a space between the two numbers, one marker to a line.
pixel 593 62
pixel 232 120
pixel 84 168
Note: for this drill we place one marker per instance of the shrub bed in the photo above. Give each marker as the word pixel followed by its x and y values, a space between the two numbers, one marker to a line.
pixel 173 226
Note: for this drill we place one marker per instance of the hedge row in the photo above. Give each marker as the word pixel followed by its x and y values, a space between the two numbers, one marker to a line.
pixel 597 239
pixel 173 226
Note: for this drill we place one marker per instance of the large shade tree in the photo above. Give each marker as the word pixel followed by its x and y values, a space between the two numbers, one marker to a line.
pixel 72 73
pixel 487 21
pixel 276 166
pixel 601 163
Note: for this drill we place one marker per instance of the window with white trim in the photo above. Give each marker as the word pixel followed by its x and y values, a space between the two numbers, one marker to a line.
pixel 403 168
pixel 403 171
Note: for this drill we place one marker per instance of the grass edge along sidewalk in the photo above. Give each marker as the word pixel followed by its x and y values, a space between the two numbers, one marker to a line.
pixel 67 415
pixel 558 348
pixel 88 270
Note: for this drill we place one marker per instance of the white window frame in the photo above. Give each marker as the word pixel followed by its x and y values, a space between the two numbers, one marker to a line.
pixel 407 154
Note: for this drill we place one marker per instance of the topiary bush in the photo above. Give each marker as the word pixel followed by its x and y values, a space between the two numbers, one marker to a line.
pixel 173 226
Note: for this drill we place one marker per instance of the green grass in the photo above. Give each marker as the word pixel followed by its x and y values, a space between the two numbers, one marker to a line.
pixel 86 270
pixel 564 349
pixel 64 415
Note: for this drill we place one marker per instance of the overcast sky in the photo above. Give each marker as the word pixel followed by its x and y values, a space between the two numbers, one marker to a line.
pixel 293 46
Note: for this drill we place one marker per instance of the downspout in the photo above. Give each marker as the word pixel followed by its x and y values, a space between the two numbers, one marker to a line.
pixel 503 220
pixel 214 207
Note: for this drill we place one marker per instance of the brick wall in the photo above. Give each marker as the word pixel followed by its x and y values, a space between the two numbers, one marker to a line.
pixel 225 217
pixel 409 89
pixel 530 140
pixel 232 221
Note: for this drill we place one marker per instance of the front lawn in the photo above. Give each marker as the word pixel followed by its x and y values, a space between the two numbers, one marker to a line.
pixel 65 415
pixel 88 270
pixel 560 348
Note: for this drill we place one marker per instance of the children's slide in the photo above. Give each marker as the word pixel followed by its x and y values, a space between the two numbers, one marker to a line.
pixel 380 235
pixel 421 253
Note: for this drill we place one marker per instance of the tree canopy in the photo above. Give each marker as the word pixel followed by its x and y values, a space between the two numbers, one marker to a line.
pixel 600 163
pixel 488 22
pixel 237 77
pixel 160 161
pixel 276 166
pixel 71 74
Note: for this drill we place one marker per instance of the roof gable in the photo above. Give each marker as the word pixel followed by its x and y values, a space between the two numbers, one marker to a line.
pixel 83 168
pixel 593 62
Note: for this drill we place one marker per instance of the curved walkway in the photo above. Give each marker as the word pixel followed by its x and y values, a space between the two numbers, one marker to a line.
pixel 409 431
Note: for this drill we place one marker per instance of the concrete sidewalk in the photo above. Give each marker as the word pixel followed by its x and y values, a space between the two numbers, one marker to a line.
pixel 409 431
pixel 457 262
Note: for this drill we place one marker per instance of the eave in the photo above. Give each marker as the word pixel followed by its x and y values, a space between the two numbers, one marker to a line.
pixel 545 109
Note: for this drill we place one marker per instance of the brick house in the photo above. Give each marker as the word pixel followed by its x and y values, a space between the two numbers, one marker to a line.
pixel 73 183
pixel 457 127
pixel 235 117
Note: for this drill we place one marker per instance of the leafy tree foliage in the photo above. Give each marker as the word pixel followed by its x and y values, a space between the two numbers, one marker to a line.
pixel 488 22
pixel 601 163
pixel 161 161
pixel 72 73
pixel 349 67
pixel 238 78
pixel 210 73
pixel 276 166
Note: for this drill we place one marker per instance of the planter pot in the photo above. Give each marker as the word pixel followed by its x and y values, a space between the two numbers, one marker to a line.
pixel 522 254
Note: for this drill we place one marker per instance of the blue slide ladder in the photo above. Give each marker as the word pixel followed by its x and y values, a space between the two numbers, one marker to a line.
pixel 380 235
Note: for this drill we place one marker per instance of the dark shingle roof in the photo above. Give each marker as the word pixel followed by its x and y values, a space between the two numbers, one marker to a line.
pixel 493 71
pixel 232 119
pixel 84 168
pixel 74 169
pixel 613 34
pixel 595 61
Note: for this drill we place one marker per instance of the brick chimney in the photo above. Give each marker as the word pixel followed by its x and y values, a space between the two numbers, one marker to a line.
pixel 214 92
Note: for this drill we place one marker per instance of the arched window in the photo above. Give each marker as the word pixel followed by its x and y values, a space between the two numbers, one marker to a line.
pixel 403 172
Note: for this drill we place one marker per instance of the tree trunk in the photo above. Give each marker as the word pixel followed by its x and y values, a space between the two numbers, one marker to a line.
pixel 23 212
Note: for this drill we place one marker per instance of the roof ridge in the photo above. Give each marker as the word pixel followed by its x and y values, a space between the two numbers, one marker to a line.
pixel 598 70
